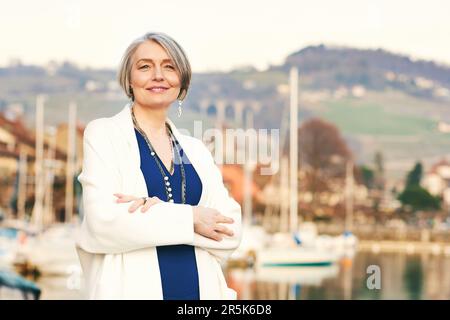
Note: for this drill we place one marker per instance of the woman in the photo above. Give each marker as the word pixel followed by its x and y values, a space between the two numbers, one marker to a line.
pixel 158 220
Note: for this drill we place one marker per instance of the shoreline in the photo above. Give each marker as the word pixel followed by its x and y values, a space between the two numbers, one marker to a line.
pixel 409 247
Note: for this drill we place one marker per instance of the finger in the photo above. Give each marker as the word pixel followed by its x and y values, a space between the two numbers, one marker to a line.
pixel 136 204
pixel 224 219
pixel 150 202
pixel 156 199
pixel 121 195
pixel 147 205
pixel 224 230
pixel 124 198
pixel 216 236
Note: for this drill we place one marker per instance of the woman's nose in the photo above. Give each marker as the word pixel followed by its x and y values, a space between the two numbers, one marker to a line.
pixel 157 74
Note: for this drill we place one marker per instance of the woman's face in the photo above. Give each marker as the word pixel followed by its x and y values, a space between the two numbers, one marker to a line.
pixel 154 79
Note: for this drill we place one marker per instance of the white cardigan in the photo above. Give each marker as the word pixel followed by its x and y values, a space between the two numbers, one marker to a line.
pixel 117 249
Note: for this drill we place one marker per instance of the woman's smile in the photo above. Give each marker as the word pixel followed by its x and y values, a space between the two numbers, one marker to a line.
pixel 157 89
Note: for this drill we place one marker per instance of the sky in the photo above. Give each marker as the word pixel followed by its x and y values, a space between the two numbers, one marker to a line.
pixel 219 35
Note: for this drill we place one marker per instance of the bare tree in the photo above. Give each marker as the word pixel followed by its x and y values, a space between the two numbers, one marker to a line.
pixel 323 154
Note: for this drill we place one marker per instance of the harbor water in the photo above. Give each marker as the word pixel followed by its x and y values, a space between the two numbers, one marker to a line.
pixel 402 276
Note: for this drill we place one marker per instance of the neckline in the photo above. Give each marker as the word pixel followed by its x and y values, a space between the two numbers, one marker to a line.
pixel 157 155
pixel 164 166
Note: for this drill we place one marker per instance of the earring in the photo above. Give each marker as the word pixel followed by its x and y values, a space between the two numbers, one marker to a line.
pixel 132 94
pixel 180 102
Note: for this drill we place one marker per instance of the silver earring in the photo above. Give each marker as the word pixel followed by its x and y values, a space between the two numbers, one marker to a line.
pixel 180 102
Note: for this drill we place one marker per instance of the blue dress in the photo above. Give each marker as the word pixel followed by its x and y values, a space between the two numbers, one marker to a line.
pixel 177 263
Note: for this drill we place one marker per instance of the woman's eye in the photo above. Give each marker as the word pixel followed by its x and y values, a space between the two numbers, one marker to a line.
pixel 143 67
pixel 169 66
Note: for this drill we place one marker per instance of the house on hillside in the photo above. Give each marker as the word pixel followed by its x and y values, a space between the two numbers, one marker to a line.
pixel 437 181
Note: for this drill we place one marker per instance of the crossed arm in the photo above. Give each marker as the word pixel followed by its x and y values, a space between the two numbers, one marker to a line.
pixel 109 227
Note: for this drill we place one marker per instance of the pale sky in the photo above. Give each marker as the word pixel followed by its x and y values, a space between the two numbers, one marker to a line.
pixel 219 35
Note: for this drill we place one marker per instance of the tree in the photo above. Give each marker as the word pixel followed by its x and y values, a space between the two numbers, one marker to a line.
pixel 419 198
pixel 322 153
pixel 415 175
pixel 368 176
pixel 416 196
pixel 379 171
pixel 379 182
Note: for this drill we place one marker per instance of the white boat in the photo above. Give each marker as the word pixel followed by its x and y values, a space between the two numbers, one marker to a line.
pixel 301 248
pixel 7 256
pixel 295 257
pixel 253 239
pixel 343 245
pixel 286 251
pixel 14 235
pixel 53 251
pixel 8 244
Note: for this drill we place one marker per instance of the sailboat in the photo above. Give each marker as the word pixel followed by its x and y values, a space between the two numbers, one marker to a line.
pixel 52 251
pixel 286 249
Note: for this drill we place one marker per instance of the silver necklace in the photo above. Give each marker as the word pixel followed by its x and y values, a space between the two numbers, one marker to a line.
pixel 173 145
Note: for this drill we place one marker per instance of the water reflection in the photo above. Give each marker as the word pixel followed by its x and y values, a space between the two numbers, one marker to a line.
pixel 403 276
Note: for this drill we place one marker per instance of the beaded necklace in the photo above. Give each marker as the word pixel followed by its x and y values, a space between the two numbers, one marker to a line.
pixel 173 146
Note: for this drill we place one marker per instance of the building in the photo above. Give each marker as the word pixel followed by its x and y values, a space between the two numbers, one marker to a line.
pixel 437 181
pixel 17 141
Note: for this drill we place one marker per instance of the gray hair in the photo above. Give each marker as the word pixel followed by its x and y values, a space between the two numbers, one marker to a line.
pixel 173 49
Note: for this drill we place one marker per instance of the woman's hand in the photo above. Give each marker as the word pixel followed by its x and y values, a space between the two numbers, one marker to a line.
pixel 206 223
pixel 137 202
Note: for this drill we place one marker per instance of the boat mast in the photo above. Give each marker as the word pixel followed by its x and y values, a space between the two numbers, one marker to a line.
pixel 293 79
pixel 70 166
pixel 22 185
pixel 349 196
pixel 50 177
pixel 37 215
pixel 248 174
pixel 284 194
